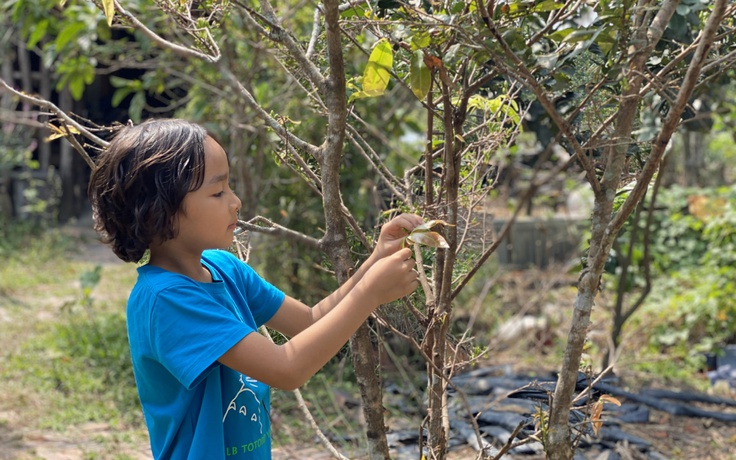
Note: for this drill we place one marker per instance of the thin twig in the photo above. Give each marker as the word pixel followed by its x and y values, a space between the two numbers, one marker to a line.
pixel 177 49
pixel 56 110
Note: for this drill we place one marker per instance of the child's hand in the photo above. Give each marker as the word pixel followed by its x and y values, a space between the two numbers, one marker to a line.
pixel 393 233
pixel 391 277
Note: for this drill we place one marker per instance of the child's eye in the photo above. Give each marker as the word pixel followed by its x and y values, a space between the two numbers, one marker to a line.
pixel 218 194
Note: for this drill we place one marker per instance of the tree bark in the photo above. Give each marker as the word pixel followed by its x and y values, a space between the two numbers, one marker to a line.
pixel 606 225
pixel 335 240
pixel 645 38
pixel 694 151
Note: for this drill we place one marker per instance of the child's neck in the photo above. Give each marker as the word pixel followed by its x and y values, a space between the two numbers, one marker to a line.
pixel 185 264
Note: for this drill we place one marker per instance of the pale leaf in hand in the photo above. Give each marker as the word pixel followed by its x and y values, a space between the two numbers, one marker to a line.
pixel 427 226
pixel 427 238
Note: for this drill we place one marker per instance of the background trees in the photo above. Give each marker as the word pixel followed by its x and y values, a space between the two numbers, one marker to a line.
pixel 335 114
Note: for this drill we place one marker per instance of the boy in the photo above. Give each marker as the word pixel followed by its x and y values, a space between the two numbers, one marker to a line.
pixel 202 370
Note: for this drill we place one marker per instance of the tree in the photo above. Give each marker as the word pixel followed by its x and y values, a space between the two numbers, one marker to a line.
pixel 583 77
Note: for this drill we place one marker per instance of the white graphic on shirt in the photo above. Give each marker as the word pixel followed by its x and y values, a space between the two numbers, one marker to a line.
pixel 246 386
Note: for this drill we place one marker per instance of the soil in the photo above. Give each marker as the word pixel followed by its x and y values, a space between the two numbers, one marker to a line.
pixel 674 437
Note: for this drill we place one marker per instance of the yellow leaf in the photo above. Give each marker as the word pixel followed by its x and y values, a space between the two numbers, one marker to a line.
pixel 108 6
pixel 609 399
pixel 595 417
pixel 377 72
pixel 57 132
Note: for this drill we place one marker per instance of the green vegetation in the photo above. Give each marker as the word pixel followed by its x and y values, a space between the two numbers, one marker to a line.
pixel 689 310
pixel 65 362
pixel 696 253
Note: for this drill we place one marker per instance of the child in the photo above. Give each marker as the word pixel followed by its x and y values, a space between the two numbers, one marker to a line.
pixel 202 370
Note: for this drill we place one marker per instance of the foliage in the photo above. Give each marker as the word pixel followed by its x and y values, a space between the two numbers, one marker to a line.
pixel 15 150
pixel 64 36
pixel 696 253
pixel 29 244
pixel 693 251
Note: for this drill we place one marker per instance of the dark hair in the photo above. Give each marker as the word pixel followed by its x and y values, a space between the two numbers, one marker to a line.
pixel 140 180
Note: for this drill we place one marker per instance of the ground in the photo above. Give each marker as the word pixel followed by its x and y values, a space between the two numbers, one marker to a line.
pixel 21 439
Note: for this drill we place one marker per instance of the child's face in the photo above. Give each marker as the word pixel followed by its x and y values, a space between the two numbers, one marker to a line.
pixel 210 213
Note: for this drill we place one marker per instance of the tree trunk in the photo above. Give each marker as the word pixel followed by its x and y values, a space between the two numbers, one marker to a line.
pixel 6 69
pixel 335 239
pixel 605 225
pixel 365 365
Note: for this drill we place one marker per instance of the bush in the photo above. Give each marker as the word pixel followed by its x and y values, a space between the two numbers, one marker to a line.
pixel 694 252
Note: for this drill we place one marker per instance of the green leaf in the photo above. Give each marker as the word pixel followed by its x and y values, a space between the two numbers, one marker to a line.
pixel 68 34
pixel 579 36
pixel 136 107
pixel 561 34
pixel 377 72
pixel 38 33
pixel 76 87
pixel 420 77
pixel 119 95
pixel 547 5
pixel 420 40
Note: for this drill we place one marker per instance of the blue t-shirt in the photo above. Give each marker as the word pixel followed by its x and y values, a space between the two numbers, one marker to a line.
pixel 195 407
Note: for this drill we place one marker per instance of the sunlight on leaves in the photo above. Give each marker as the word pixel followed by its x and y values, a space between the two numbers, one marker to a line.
pixel 377 72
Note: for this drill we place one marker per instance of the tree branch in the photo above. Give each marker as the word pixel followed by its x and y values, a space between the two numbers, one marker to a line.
pixel 260 224
pixel 177 49
pixel 672 120
pixel 280 35
pixel 270 121
pixel 67 120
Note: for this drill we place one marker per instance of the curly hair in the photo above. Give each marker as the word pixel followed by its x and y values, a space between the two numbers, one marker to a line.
pixel 140 180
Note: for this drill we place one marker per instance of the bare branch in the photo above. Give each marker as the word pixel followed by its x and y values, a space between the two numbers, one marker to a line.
pixel 520 71
pixel 260 224
pixel 672 120
pixel 55 110
pixel 177 49
pixel 278 34
pixel 316 30
pixel 272 122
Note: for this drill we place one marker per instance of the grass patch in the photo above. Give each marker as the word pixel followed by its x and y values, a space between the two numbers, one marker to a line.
pixel 65 362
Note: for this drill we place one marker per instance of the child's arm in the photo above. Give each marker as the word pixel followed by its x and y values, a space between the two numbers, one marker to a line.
pixel 289 365
pixel 293 316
